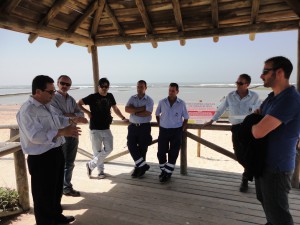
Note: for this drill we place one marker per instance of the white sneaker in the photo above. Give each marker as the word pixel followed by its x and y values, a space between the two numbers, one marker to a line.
pixel 101 175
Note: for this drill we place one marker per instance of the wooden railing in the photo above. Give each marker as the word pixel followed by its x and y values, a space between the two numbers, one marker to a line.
pixel 11 146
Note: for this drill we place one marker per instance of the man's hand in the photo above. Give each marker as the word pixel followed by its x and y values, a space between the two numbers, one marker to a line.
pixel 208 123
pixel 79 120
pixel 69 131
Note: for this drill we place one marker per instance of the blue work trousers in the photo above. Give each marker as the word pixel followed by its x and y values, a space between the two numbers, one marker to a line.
pixel 138 139
pixel 169 142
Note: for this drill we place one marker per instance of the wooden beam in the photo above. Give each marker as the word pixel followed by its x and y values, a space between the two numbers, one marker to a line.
pixel 116 24
pixel 55 9
pixel 215 17
pixel 246 29
pixel 95 67
pixel 182 42
pixel 177 14
pixel 47 32
pixel 254 15
pixel 97 17
pixel 8 6
pixel 91 9
pixel 145 17
pixel 295 5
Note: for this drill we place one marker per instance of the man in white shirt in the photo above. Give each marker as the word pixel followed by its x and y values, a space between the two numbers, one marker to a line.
pixel 42 134
pixel 239 103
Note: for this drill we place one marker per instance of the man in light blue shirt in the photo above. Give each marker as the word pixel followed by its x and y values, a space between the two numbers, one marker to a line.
pixel 140 107
pixel 172 116
pixel 239 103
pixel 42 133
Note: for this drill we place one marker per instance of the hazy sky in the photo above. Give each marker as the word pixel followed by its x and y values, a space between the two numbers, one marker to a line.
pixel 199 61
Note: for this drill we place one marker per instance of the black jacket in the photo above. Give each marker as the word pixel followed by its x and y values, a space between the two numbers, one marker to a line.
pixel 252 151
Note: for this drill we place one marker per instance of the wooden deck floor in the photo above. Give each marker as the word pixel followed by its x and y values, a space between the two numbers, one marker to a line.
pixel 205 197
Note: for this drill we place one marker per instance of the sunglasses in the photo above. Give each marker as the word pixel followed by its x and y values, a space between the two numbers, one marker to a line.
pixel 240 83
pixel 64 84
pixel 267 70
pixel 104 86
pixel 51 92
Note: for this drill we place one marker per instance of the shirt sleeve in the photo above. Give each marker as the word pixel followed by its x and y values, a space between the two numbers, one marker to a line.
pixel 158 109
pixel 130 101
pixel 149 105
pixel 221 109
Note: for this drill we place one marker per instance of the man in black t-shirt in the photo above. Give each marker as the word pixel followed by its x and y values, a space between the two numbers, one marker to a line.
pixel 100 119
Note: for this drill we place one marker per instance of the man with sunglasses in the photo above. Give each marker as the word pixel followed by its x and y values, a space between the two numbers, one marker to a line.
pixel 281 126
pixel 100 119
pixel 66 105
pixel 42 133
pixel 239 104
pixel 140 107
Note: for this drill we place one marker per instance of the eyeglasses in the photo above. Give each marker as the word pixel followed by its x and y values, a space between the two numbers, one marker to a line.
pixel 65 84
pixel 267 70
pixel 240 83
pixel 104 86
pixel 51 92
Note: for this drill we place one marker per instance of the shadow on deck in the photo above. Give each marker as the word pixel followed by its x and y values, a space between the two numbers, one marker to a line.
pixel 204 196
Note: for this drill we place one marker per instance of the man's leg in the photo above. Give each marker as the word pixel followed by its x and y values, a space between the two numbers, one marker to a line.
pixel 235 142
pixel 97 143
pixel 44 172
pixel 144 139
pixel 163 147
pixel 70 151
pixel 275 187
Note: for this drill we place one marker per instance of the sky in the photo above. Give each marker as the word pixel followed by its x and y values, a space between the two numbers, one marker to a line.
pixel 199 61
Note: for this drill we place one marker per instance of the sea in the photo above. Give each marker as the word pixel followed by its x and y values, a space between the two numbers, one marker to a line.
pixel 189 92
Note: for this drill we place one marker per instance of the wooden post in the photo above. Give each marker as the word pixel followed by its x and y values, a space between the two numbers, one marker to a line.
pixel 295 178
pixel 198 144
pixel 183 154
pixel 95 67
pixel 21 175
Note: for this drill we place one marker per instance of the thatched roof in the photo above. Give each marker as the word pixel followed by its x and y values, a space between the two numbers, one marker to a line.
pixel 115 22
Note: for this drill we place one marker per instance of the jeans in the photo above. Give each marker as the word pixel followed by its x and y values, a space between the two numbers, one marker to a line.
pixel 102 144
pixel 70 151
pixel 272 190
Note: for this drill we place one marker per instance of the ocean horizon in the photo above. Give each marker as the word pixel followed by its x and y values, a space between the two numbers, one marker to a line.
pixel 189 92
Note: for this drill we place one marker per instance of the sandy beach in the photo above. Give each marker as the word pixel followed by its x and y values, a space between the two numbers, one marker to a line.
pixel 209 159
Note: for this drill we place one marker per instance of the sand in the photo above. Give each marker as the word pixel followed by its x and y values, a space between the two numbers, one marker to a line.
pixel 209 158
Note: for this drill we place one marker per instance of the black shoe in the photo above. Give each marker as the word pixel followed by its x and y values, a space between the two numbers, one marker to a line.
pixel 142 170
pixel 165 177
pixel 72 193
pixel 135 172
pixel 161 174
pixel 89 171
pixel 64 219
pixel 244 185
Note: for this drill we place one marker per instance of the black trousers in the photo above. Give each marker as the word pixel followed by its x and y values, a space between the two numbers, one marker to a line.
pixel 47 175
pixel 138 139
pixel 169 142
pixel 235 142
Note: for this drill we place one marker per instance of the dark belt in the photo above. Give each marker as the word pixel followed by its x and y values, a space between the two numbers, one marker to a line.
pixel 139 124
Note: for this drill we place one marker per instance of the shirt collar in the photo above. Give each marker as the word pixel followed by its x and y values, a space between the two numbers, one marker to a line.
pixel 145 96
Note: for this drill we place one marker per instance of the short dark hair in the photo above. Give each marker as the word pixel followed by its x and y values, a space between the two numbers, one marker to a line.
pixel 283 63
pixel 246 77
pixel 65 76
pixel 40 82
pixel 174 85
pixel 143 82
pixel 104 81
